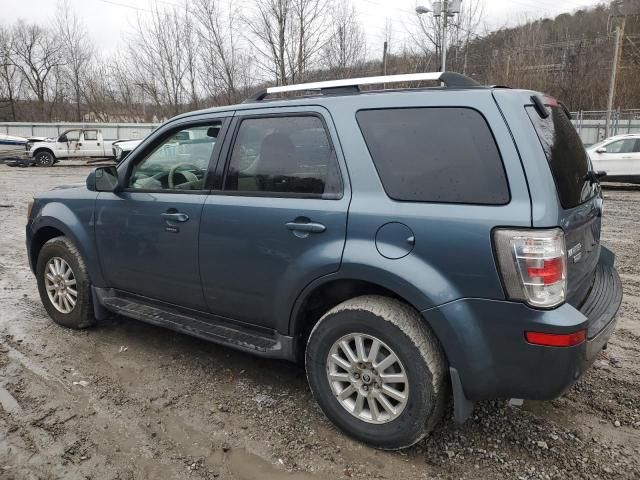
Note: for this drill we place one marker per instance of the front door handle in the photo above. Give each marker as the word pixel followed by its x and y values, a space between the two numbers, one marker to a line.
pixel 175 217
pixel 306 227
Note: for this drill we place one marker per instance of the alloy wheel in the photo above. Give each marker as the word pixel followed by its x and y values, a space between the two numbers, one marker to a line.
pixel 60 283
pixel 367 378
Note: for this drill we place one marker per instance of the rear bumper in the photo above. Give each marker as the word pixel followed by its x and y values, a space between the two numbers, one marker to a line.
pixel 484 340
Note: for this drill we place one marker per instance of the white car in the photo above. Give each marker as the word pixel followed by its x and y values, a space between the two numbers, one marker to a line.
pixel 618 156
pixel 122 148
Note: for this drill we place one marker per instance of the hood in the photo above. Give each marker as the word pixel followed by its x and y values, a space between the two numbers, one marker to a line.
pixel 128 144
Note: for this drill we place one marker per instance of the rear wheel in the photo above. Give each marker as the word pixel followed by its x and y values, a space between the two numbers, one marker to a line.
pixel 377 371
pixel 44 159
pixel 63 284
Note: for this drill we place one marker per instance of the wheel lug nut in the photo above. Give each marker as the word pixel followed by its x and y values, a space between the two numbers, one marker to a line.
pixel 365 388
pixel 356 376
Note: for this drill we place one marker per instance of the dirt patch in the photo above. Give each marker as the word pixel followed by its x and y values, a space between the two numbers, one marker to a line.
pixel 77 405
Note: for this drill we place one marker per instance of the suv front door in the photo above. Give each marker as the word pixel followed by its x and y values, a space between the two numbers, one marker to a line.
pixel 147 235
pixel 277 220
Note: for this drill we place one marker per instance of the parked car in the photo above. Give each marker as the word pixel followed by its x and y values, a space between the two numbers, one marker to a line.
pixel 403 244
pixel 75 143
pixel 122 148
pixel 618 157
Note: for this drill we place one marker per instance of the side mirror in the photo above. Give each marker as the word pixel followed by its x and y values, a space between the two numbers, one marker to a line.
pixel 103 179
pixel 62 139
pixel 601 150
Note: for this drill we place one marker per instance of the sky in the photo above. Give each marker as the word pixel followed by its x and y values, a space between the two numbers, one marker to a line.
pixel 109 20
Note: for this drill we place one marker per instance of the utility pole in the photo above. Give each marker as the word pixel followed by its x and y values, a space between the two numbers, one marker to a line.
pixel 445 14
pixel 442 10
pixel 615 65
pixel 384 57
pixel 614 75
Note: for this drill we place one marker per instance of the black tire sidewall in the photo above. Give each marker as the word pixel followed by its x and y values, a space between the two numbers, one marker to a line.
pixel 50 159
pixel 407 428
pixel 82 314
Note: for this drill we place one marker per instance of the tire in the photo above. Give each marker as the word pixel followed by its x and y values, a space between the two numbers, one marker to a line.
pixel 44 158
pixel 400 330
pixel 54 254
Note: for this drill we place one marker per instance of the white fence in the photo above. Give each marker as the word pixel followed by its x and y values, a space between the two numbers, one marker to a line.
pixel 110 131
pixel 590 125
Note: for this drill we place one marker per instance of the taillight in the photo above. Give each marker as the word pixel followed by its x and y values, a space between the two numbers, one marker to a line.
pixel 533 265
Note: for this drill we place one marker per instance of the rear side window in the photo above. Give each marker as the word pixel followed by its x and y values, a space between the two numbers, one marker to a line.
pixel 436 154
pixel 566 155
pixel 284 156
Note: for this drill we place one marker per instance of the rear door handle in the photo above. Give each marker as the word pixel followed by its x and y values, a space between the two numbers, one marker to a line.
pixel 307 227
pixel 175 217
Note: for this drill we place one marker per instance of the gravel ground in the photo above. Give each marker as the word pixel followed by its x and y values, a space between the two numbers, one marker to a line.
pixel 128 400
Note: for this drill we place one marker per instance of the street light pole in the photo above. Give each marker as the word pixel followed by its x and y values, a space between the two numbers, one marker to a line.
pixel 444 9
pixel 445 12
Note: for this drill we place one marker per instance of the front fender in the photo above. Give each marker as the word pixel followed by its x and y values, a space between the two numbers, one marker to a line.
pixel 79 227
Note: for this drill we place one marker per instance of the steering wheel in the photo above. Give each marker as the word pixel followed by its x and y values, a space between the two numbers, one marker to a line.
pixel 189 176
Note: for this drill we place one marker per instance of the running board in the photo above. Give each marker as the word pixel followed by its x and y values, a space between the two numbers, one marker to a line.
pixel 204 326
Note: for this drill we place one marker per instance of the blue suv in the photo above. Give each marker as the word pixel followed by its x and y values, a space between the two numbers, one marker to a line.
pixel 409 246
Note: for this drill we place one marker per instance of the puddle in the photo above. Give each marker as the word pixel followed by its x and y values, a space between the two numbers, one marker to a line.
pixel 248 466
pixel 8 402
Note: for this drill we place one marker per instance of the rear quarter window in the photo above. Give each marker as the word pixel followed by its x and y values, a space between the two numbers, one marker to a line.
pixel 568 160
pixel 435 154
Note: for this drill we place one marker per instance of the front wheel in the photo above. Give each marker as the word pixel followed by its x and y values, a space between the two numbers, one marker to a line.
pixel 63 284
pixel 44 159
pixel 377 371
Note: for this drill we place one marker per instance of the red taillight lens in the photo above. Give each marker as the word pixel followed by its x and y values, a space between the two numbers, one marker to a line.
pixel 533 265
pixel 556 339
pixel 550 272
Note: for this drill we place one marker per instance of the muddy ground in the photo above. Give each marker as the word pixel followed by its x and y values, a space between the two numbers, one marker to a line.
pixel 128 400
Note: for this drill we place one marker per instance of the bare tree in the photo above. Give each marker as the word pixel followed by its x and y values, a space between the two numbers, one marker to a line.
pixel 158 56
pixel 10 79
pixel 77 50
pixel 269 28
pixel 346 46
pixel 308 33
pixel 37 52
pixel 223 60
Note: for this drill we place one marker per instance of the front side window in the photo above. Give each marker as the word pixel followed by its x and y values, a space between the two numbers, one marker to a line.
pixel 71 136
pixel 621 146
pixel 180 162
pixel 283 155
pixel 435 154
pixel 91 135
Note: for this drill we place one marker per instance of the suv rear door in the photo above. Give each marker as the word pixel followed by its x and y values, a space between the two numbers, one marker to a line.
pixel 277 219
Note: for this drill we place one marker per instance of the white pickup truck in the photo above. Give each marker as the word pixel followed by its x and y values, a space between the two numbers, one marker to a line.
pixel 82 142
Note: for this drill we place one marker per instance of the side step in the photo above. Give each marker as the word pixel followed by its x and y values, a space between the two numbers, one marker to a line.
pixel 202 326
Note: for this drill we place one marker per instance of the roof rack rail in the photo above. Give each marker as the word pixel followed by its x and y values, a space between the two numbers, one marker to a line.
pixel 351 85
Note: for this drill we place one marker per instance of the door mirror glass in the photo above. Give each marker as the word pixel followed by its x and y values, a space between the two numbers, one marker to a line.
pixel 105 179
pixel 601 150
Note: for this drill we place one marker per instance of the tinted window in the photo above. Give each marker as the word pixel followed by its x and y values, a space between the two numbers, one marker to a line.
pixel 290 155
pixel 180 162
pixel 435 155
pixel 566 155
